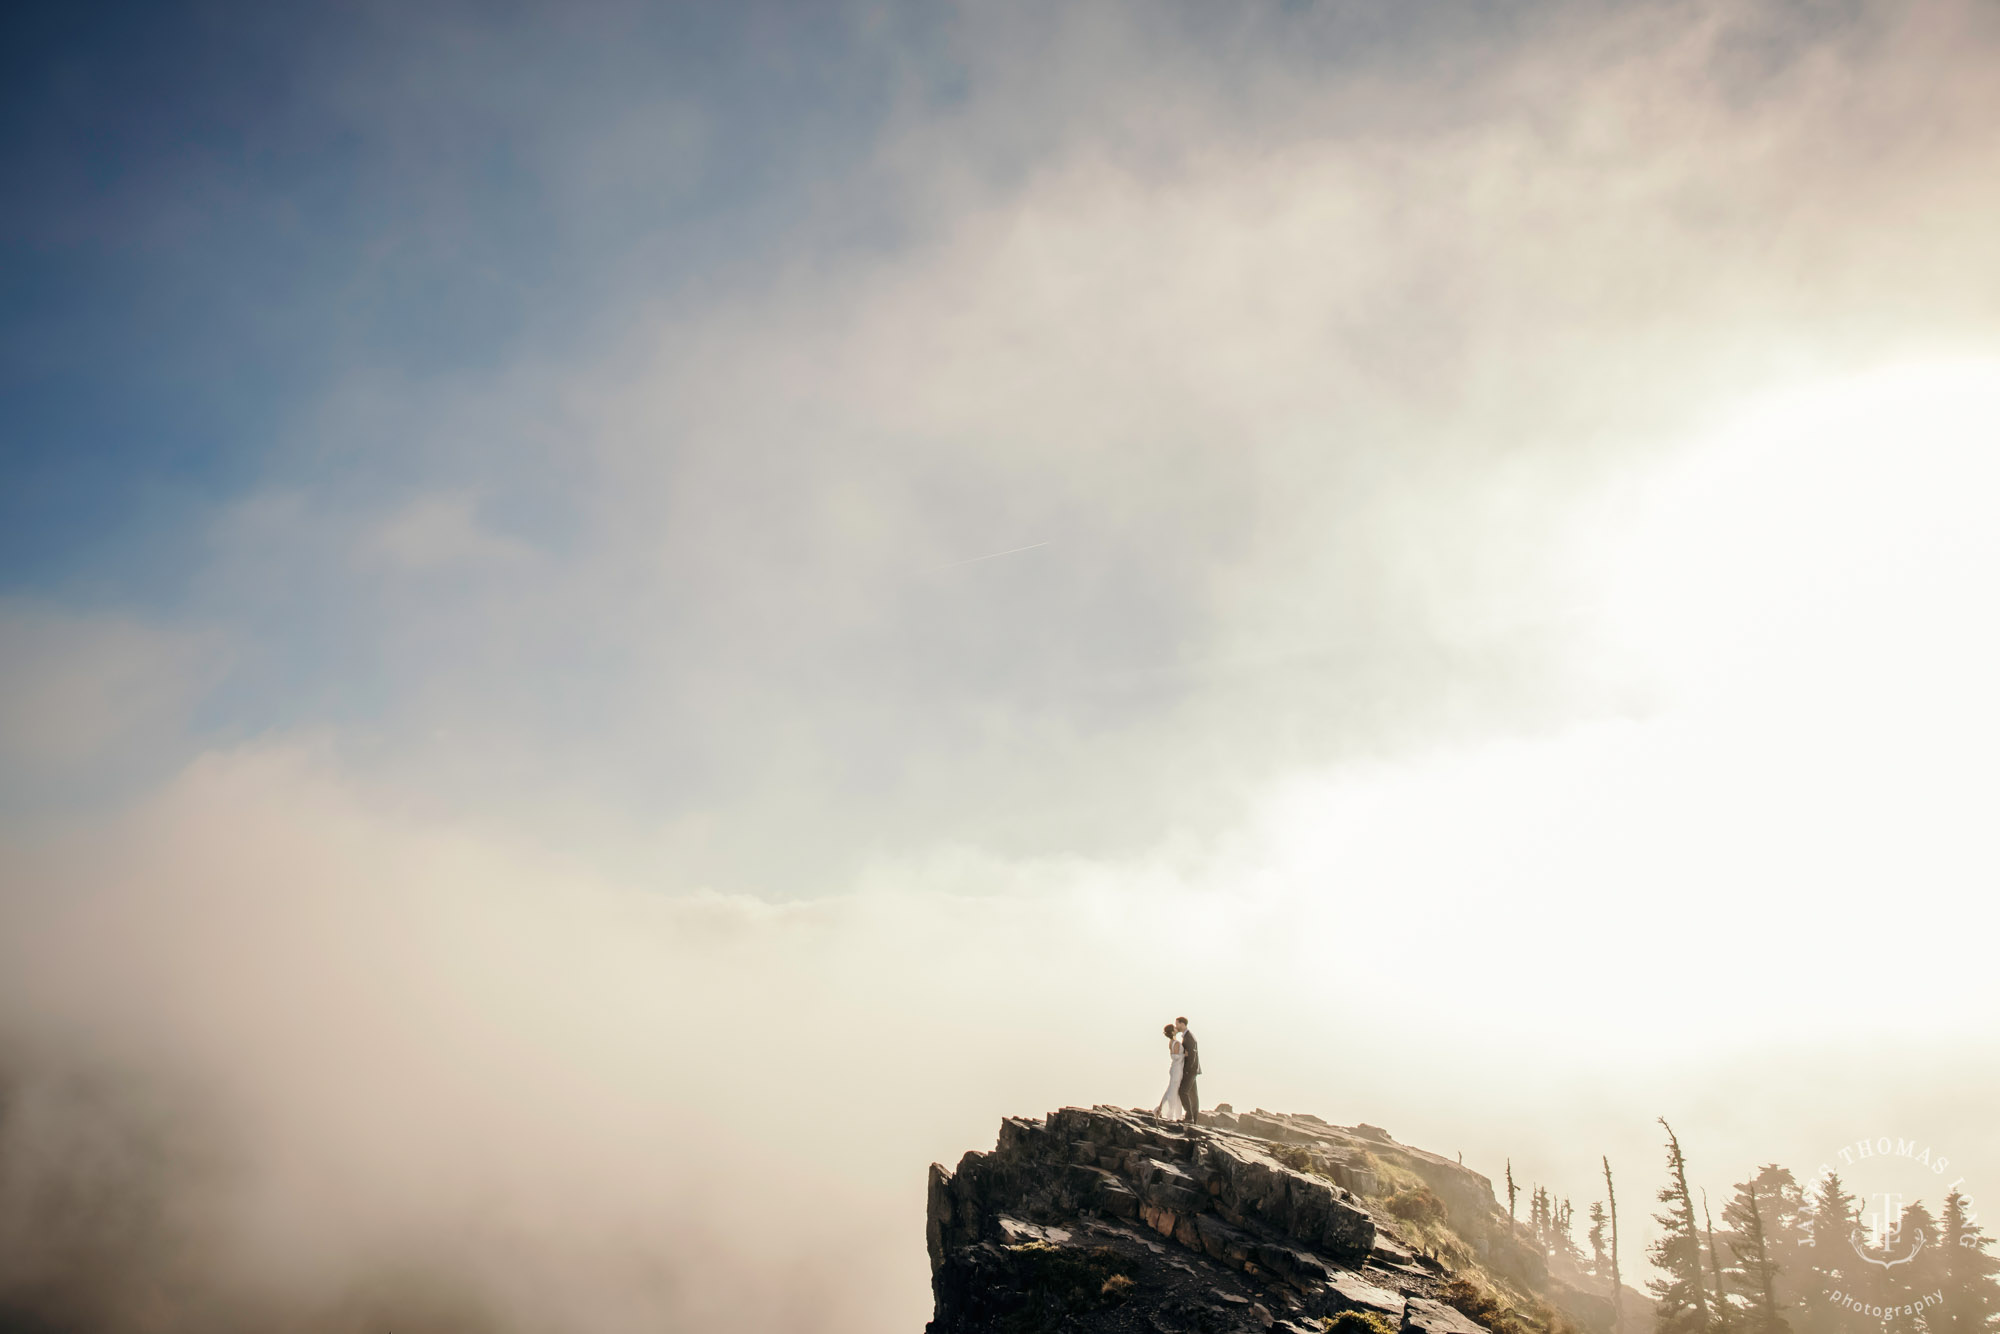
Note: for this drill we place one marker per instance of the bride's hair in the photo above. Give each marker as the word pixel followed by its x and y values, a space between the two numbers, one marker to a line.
pixel 1168 1030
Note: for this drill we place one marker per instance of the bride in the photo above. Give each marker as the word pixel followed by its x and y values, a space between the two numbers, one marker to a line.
pixel 1170 1106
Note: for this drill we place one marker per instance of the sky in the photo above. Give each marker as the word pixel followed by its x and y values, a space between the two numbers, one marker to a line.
pixel 621 624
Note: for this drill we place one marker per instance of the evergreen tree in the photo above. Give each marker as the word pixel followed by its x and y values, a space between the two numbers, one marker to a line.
pixel 1512 1191
pixel 1680 1303
pixel 1549 1221
pixel 1566 1234
pixel 1781 1207
pixel 1967 1274
pixel 1723 1316
pixel 1832 1266
pixel 1915 1275
pixel 1599 1262
pixel 1753 1268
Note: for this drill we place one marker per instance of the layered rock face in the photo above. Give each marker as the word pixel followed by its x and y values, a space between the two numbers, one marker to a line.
pixel 1111 1220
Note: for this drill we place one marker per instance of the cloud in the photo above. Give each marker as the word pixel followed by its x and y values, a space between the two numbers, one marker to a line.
pixel 279 1049
pixel 438 532
pixel 91 702
pixel 1296 372
pixel 1292 332
pixel 331 1061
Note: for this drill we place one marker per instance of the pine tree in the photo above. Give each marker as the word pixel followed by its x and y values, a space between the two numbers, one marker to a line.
pixel 1781 1207
pixel 1680 1296
pixel 1512 1191
pixel 1967 1274
pixel 1916 1273
pixel 1566 1233
pixel 1549 1223
pixel 1832 1267
pixel 1722 1316
pixel 1599 1262
pixel 1753 1270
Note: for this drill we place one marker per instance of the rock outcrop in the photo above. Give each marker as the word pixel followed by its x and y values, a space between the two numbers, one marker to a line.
pixel 1105 1219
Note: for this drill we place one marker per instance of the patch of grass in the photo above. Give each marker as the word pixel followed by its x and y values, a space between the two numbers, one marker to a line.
pixel 1550 1319
pixel 1391 1178
pixel 1297 1157
pixel 1423 1223
pixel 1357 1322
pixel 1473 1298
pixel 1417 1206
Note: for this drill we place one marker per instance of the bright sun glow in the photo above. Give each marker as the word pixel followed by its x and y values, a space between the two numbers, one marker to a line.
pixel 1808 591
pixel 1829 547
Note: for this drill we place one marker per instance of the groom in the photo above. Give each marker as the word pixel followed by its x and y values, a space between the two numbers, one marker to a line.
pixel 1189 1069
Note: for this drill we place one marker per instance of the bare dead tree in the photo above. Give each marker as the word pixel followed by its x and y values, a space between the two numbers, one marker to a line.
pixel 1617 1285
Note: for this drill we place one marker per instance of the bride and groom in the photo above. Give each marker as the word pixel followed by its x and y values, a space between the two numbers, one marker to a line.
pixel 1180 1102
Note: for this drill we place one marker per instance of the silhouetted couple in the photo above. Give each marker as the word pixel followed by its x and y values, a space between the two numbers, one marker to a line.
pixel 1181 1102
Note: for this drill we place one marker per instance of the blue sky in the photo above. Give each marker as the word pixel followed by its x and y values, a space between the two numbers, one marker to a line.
pixel 595 396
pixel 219 210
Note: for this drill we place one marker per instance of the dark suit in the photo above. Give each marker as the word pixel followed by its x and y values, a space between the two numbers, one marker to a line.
pixel 1191 1067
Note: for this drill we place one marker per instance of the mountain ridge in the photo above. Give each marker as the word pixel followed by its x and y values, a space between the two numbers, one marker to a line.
pixel 1109 1220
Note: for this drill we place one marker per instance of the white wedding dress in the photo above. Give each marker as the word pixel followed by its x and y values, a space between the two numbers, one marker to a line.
pixel 1170 1105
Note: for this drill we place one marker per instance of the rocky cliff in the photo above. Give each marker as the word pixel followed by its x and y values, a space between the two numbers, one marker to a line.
pixel 1104 1219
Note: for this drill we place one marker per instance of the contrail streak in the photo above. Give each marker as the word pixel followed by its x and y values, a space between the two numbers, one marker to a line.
pixel 992 555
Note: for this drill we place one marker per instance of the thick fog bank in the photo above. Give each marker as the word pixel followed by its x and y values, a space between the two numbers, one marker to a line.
pixel 274 1055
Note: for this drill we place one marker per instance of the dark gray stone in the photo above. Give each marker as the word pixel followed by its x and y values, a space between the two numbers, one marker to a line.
pixel 1351 1292
pixel 1423 1316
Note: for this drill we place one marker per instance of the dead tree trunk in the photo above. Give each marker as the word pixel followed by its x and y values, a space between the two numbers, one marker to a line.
pixel 1617 1285
pixel 1714 1261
